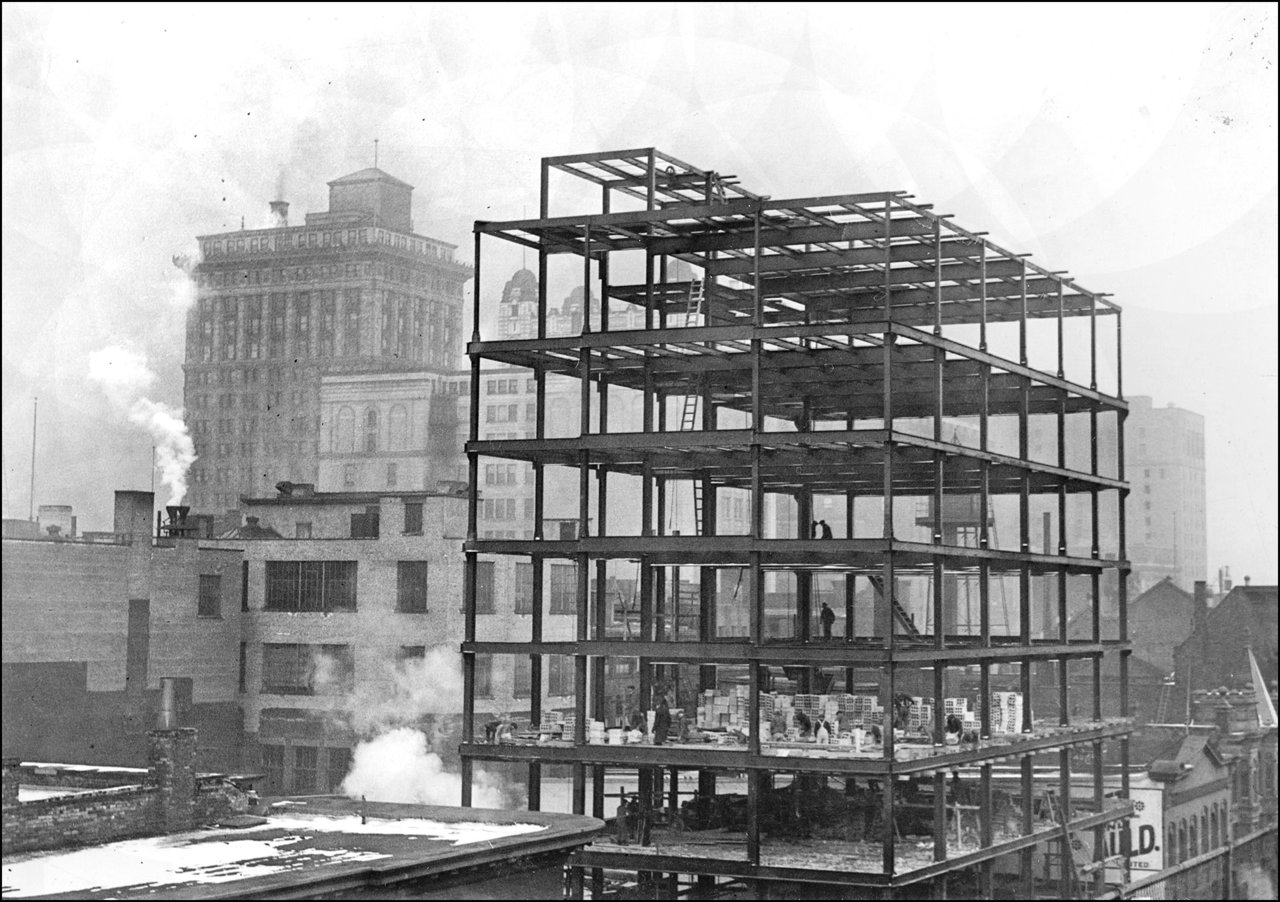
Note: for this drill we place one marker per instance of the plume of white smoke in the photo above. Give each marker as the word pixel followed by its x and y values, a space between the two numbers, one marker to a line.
pixel 183 287
pixel 396 759
pixel 399 767
pixel 123 376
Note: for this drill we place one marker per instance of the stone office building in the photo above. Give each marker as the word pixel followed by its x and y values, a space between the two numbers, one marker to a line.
pixel 351 290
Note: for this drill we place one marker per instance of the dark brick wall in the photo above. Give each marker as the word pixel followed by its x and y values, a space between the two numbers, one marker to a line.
pixel 97 817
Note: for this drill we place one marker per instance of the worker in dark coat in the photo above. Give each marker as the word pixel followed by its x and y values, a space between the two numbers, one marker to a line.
pixel 661 720
pixel 828 618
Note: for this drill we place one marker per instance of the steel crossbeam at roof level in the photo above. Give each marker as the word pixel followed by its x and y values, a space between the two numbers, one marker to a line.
pixel 844 461
pixel 864 652
pixel 861 555
pixel 634 172
pixel 804 245
pixel 736 758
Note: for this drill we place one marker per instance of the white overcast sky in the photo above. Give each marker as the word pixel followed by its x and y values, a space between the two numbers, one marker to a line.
pixel 1133 145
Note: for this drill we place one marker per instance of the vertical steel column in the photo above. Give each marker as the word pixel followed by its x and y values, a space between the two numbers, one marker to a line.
pixel 1024 507
pixel 1028 826
pixel 939 567
pixel 1100 831
pixel 986 828
pixel 471 558
pixel 581 559
pixel 757 537
pixel 1066 862
pixel 940 809
pixel 539 514
pixel 598 663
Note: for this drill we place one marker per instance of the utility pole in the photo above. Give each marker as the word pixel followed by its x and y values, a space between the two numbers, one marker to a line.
pixel 31 501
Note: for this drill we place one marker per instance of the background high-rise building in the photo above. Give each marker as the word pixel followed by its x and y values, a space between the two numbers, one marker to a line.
pixel 1164 451
pixel 353 290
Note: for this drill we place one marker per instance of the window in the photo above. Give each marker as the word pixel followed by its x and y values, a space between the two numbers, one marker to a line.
pixel 244 586
pixel 338 766
pixel 522 681
pixel 302 529
pixel 564 589
pixel 273 768
pixel 371 431
pixel 307 669
pixel 411 653
pixel 561 676
pixel 484 587
pixel 484 676
pixel 524 588
pixel 349 475
pixel 210 601
pixel 411 587
pixel 322 586
pixel 391 475
pixel 344 433
pixel 413 518
pixel 304 768
pixel 244 665
pixel 365 526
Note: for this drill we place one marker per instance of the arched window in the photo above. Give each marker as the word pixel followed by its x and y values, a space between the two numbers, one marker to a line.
pixel 1172 845
pixel 371 430
pixel 397 427
pixel 1182 840
pixel 1204 830
pixel 1192 845
pixel 1213 827
pixel 344 434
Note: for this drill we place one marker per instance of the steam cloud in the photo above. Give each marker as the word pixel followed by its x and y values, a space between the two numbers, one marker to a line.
pixel 124 377
pixel 395 761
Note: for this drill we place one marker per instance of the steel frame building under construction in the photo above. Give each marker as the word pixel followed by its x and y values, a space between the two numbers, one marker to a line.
pixel 858 354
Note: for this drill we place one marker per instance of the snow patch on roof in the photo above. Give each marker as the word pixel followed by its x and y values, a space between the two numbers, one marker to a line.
pixel 221 856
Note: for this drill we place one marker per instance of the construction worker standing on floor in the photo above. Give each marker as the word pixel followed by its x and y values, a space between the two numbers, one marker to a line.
pixel 828 618
pixel 661 718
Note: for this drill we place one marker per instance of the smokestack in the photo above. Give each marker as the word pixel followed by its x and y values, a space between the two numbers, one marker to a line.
pixel 1246 580
pixel 280 212
pixel 168 717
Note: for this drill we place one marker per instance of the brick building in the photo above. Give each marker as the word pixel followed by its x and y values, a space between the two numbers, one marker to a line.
pixel 343 591
pixel 353 290
pixel 1164 448
pixel 91 626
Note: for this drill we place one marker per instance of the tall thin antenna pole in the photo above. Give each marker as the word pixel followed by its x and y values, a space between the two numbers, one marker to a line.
pixel 375 153
pixel 153 469
pixel 31 501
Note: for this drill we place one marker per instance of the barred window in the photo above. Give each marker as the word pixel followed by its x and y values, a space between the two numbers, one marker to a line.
pixel 411 587
pixel 484 676
pixel 318 586
pixel 304 768
pixel 273 768
pixel 564 589
pixel 524 588
pixel 290 669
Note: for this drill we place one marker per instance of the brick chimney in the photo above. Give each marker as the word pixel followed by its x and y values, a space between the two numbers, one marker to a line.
pixel 171 755
pixel 12 778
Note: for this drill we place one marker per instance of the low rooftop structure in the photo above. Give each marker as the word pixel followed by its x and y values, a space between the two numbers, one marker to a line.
pixel 312 846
